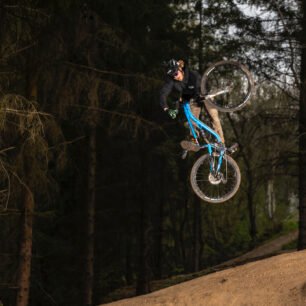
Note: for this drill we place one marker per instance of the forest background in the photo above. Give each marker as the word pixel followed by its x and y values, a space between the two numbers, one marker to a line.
pixel 94 195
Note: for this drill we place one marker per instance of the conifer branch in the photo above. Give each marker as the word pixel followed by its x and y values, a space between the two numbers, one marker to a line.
pixel 23 184
pixel 46 293
pixel 66 142
pixel 27 9
pixel 7 149
pixel 296 78
pixel 9 185
pixel 127 75
pixel 125 115
pixel 24 112
pixel 18 51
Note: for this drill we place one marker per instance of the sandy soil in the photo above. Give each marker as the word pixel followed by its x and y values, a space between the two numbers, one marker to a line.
pixel 278 280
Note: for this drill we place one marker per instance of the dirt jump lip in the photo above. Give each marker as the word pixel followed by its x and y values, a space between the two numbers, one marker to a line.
pixel 277 280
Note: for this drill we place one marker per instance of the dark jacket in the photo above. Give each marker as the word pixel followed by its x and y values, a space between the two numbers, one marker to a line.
pixel 189 88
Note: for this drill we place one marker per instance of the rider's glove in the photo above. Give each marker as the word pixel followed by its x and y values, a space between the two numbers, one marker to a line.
pixel 173 113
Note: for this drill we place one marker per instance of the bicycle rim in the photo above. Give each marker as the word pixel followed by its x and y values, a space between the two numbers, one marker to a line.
pixel 231 76
pixel 211 188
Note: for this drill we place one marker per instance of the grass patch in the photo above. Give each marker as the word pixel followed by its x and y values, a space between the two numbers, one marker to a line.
pixel 291 245
pixel 289 226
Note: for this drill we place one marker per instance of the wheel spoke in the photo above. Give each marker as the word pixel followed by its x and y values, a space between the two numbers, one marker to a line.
pixel 233 75
pixel 215 188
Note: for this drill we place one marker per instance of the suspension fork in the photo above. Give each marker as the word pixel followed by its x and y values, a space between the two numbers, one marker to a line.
pixel 215 170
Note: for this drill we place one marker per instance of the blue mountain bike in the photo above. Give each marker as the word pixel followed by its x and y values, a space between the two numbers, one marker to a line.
pixel 215 176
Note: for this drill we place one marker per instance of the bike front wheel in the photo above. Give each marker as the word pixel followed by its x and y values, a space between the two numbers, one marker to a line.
pixel 211 186
pixel 227 85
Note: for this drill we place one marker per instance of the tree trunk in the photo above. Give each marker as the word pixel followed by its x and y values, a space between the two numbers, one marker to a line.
pixel 143 281
pixel 159 263
pixel 25 257
pixel 160 202
pixel 196 237
pixel 200 46
pixel 181 236
pixel 270 199
pixel 250 191
pixel 91 216
pixel 128 262
pixel 302 139
pixel 252 215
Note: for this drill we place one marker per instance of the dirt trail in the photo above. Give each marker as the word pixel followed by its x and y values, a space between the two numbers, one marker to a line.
pixel 266 249
pixel 278 280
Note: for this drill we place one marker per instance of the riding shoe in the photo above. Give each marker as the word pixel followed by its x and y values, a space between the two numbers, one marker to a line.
pixel 190 146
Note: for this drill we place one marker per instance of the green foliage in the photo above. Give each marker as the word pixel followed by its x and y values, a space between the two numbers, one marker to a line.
pixel 291 246
pixel 242 238
pixel 177 271
pixel 289 226
pixel 28 119
pixel 110 279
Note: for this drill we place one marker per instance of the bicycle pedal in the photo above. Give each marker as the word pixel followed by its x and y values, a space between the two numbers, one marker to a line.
pixel 189 146
pixel 233 148
pixel 184 154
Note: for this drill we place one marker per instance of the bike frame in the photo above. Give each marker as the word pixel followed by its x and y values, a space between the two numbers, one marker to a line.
pixel 210 146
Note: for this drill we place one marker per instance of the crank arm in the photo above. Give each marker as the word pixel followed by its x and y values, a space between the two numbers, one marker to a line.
pixel 218 93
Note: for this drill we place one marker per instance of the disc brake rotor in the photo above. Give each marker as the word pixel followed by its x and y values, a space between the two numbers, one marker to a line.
pixel 215 180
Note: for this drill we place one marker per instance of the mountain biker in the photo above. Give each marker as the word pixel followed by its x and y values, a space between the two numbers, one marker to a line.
pixel 188 83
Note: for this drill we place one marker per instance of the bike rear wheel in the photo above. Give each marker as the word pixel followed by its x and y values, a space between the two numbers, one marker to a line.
pixel 215 188
pixel 230 82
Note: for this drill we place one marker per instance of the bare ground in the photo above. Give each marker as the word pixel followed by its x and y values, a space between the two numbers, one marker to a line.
pixel 278 280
